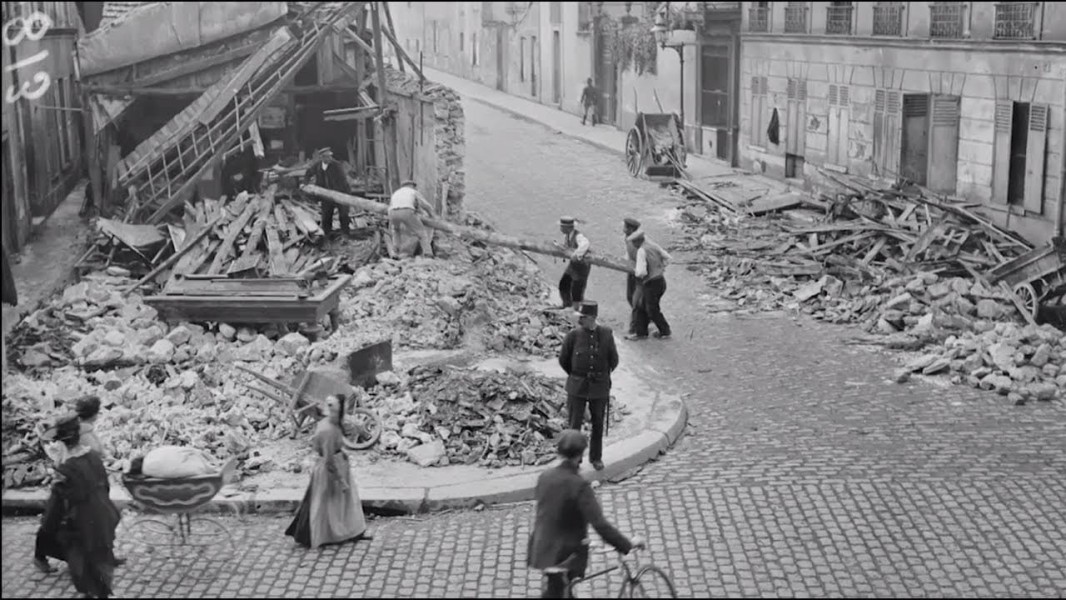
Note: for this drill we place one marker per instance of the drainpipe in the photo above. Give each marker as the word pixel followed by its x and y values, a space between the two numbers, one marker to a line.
pixel 1060 227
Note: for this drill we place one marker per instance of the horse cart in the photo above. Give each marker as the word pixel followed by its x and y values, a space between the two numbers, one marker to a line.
pixel 1037 276
pixel 655 147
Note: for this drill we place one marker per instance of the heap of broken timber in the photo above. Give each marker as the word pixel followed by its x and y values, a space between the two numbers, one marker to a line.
pixel 469 233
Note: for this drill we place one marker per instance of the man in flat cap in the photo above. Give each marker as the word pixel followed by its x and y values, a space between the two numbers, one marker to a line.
pixel 650 271
pixel 327 173
pixel 576 277
pixel 566 506
pixel 629 227
pixel 406 208
pixel 589 356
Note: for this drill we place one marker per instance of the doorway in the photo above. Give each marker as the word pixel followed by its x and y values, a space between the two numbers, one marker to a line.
pixel 606 78
pixel 914 147
pixel 1019 145
pixel 533 66
pixel 557 67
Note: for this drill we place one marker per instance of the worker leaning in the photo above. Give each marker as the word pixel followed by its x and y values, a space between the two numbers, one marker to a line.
pixel 576 277
pixel 406 208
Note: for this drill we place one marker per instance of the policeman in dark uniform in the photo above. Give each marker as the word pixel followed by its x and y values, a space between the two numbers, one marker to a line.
pixel 589 356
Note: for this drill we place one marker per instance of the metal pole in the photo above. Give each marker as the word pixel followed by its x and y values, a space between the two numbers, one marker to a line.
pixel 681 53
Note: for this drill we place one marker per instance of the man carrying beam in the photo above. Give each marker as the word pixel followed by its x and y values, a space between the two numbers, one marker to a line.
pixel 576 277
pixel 405 214
pixel 327 173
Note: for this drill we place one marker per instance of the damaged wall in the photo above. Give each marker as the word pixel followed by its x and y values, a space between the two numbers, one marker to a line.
pixel 431 144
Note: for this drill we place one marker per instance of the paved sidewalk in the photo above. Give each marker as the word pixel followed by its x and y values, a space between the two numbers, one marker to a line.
pixel 605 137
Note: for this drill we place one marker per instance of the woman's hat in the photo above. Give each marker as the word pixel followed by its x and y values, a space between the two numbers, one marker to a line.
pixel 588 309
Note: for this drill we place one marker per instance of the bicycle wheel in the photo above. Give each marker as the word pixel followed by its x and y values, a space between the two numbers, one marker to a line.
pixel 652 582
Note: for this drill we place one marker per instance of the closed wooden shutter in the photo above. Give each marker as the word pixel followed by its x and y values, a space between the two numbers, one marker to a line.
pixel 944 144
pixel 891 131
pixel 839 125
pixel 879 129
pixel 1001 151
pixel 756 113
pixel 1034 158
pixel 796 139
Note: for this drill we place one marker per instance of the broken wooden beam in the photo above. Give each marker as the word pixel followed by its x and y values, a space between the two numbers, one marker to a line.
pixel 469 233
pixel 174 257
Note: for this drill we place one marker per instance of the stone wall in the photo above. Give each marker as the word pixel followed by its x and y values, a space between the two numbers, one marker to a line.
pixel 437 147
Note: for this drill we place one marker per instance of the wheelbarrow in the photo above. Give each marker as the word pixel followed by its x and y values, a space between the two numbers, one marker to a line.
pixel 304 399
pixel 1036 276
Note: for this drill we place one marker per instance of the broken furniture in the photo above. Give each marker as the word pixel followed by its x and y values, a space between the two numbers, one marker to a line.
pixel 1036 276
pixel 365 364
pixel 199 298
pixel 655 147
pixel 305 397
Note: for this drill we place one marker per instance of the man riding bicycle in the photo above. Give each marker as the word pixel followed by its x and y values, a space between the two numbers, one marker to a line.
pixel 566 506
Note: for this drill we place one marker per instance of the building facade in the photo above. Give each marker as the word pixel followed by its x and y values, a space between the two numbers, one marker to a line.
pixel 42 125
pixel 965 98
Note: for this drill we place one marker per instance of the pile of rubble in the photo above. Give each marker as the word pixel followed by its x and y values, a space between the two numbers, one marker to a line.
pixel 899 262
pixel 181 385
pixel 438 416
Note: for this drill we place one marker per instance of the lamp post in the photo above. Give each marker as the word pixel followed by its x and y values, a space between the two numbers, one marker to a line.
pixel 662 32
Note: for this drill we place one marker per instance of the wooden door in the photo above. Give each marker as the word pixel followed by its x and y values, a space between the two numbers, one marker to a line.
pixel 943 144
pixel 1035 155
pixel 914 145
pixel 796 119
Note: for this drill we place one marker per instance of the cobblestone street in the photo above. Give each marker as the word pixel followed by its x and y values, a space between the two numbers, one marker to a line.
pixel 804 470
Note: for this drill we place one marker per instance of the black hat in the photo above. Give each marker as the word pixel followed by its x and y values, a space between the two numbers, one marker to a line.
pixel 571 444
pixel 323 151
pixel 588 309
pixel 636 236
pixel 68 429
pixel 566 221
pixel 87 407
pixel 631 223
pixel 410 182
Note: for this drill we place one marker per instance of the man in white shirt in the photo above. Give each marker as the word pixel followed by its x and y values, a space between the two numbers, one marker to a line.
pixel 405 209
pixel 576 277
pixel 650 271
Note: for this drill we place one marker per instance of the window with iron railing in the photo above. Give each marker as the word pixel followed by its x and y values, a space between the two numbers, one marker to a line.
pixel 947 19
pixel 759 17
pixel 888 18
pixel 1015 20
pixel 838 18
pixel 796 17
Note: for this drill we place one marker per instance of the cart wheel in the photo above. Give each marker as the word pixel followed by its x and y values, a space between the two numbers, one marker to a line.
pixel 367 423
pixel 1029 297
pixel 634 153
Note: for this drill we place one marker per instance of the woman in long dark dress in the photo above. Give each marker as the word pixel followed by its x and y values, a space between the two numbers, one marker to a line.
pixel 330 512
pixel 81 520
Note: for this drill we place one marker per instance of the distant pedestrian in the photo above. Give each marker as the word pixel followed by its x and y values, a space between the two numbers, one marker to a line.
pixel 590 99
pixel 330 512
pixel 80 519
pixel 650 271
pixel 406 208
pixel 566 506
pixel 589 356
pixel 629 227
pixel 576 276
pixel 328 173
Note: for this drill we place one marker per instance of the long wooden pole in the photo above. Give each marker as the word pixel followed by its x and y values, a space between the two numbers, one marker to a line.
pixel 470 233
pixel 388 129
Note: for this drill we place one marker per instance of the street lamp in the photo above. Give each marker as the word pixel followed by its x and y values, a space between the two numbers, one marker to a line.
pixel 661 33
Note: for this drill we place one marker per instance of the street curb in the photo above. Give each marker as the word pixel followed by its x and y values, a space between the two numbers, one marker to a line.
pixel 529 119
pixel 636 451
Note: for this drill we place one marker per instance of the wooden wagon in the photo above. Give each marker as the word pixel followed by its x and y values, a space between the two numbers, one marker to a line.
pixel 1036 276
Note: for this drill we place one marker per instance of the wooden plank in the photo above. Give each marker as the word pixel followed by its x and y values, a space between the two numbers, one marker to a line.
pixel 824 248
pixel 170 261
pixel 874 251
pixel 277 257
pixel 235 229
pixel 251 248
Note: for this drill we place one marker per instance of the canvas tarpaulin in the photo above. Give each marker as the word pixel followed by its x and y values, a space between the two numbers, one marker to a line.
pixel 163 28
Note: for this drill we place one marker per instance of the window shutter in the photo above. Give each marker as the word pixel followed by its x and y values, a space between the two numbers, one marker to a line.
pixel 1001 151
pixel 1034 158
pixel 879 128
pixel 832 94
pixel 944 144
pixel 754 117
pixel 844 98
pixel 892 131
